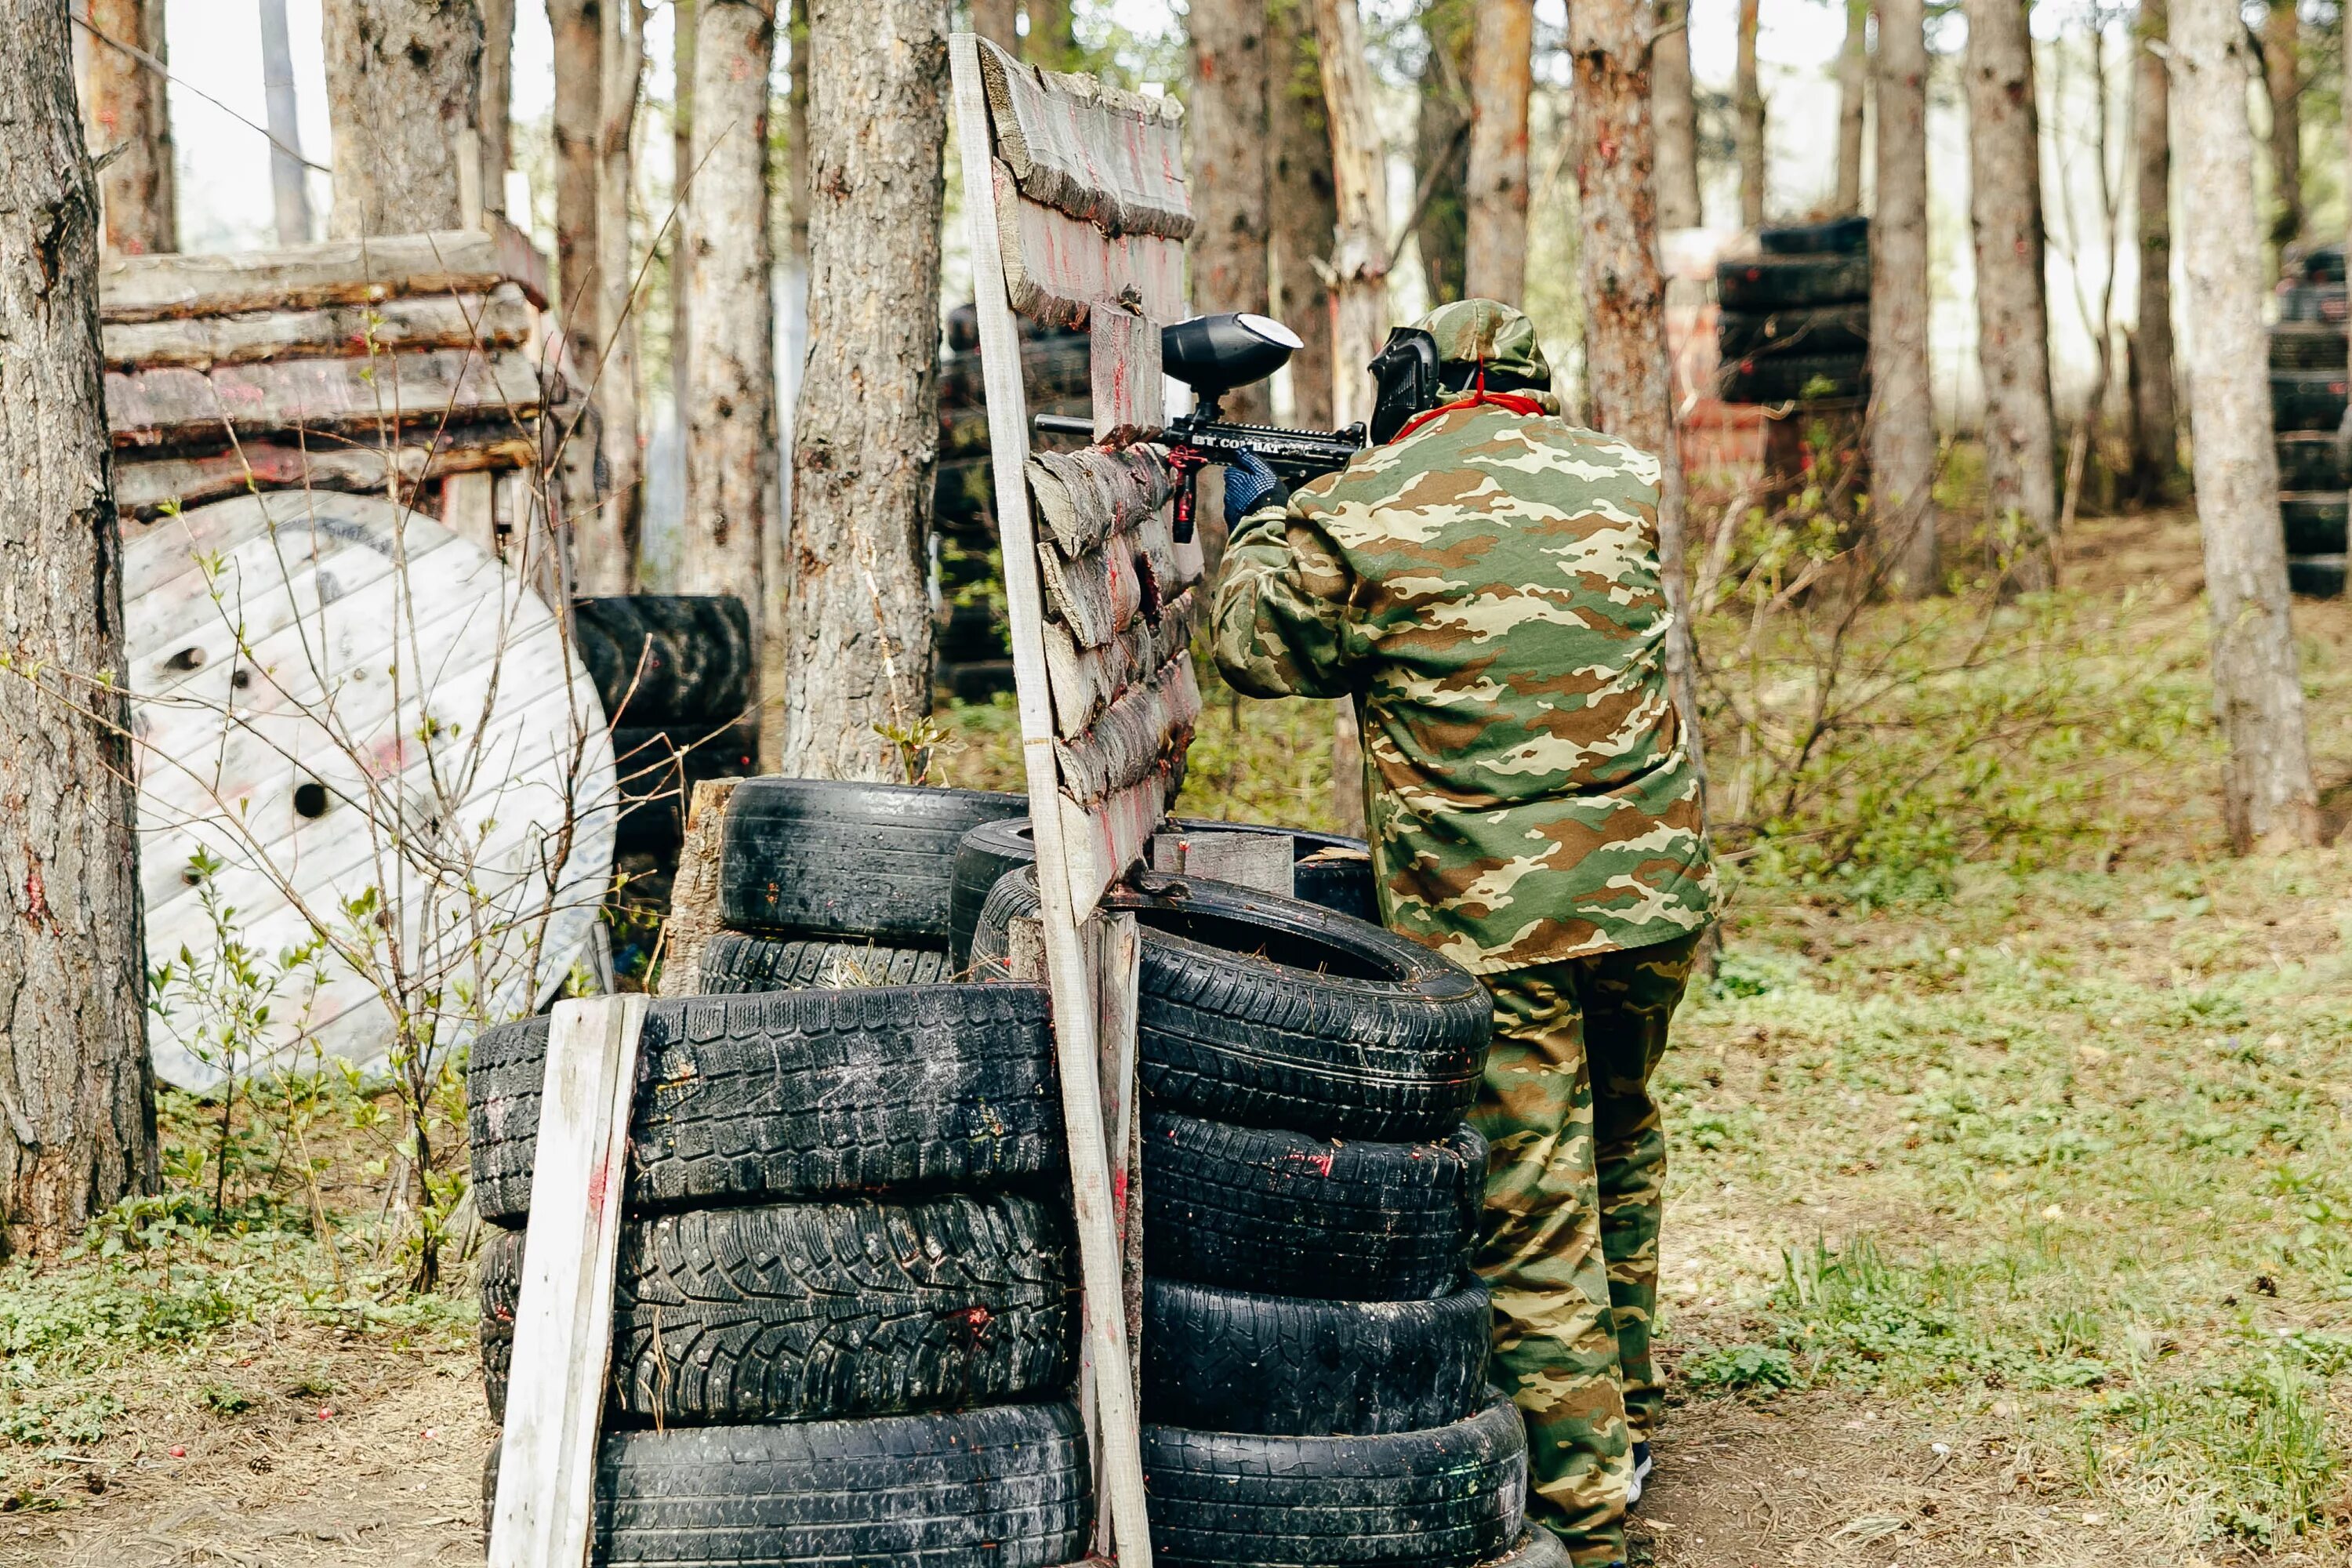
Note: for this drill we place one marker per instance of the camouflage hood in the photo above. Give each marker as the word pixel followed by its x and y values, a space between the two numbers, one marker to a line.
pixel 1487 334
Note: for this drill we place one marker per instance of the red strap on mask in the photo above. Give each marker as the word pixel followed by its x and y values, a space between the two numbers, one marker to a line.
pixel 1518 403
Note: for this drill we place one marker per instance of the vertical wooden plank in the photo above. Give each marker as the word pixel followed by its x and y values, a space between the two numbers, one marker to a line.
pixel 1126 376
pixel 563 1313
pixel 694 891
pixel 469 503
pixel 1118 1487
pixel 1115 950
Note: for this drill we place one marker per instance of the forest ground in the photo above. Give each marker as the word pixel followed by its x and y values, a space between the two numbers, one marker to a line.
pixel 2010 1217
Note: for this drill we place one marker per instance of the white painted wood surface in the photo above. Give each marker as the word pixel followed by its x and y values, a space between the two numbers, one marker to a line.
pixel 290 640
pixel 1111 1409
pixel 563 1311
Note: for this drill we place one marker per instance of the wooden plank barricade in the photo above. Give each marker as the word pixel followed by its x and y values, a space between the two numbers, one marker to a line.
pixel 1079 216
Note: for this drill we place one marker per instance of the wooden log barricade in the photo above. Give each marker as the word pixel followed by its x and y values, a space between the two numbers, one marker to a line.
pixel 425 365
pixel 1084 229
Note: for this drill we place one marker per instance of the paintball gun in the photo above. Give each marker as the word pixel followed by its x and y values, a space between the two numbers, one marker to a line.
pixel 1214 355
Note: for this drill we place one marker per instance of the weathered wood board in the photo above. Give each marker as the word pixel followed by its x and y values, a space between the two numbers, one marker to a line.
pixel 497 320
pixel 331 694
pixel 144 488
pixel 339 272
pixel 1110 158
pixel 179 405
pixel 1129 391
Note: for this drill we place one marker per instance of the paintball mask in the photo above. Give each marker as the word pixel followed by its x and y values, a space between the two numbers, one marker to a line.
pixel 1404 380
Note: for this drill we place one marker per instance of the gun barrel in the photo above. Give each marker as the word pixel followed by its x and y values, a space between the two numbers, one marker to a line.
pixel 1062 424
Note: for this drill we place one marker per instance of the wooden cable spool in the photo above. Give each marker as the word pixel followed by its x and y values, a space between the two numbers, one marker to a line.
pixel 342 701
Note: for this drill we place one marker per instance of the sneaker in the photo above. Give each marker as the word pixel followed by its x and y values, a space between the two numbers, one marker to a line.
pixel 1640 1473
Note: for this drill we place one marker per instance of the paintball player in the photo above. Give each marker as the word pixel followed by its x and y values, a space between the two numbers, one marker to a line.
pixel 1484 582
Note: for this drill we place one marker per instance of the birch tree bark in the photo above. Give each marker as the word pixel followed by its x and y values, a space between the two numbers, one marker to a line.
pixel 1302 207
pixel 1747 124
pixel 290 185
pixel 2282 83
pixel 404 84
pixel 2267 798
pixel 1227 164
pixel 79 1130
pixel 124 112
pixel 577 31
pixel 496 112
pixel 1854 92
pixel 2155 431
pixel 865 433
pixel 731 464
pixel 2013 312
pixel 1359 260
pixel 1441 149
pixel 1502 79
pixel 1902 424
pixel 607 553
pixel 1674 118
pixel 1626 372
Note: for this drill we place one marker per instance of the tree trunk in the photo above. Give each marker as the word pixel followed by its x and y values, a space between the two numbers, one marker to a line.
pixel 865 433
pixel 2268 800
pixel 1674 118
pixel 498 103
pixel 998 21
pixel 2282 76
pixel 1440 153
pixel 1501 78
pixel 1053 41
pixel 124 112
pixel 404 84
pixel 685 22
pixel 2155 431
pixel 610 557
pixel 1902 403
pixel 1227 164
pixel 2012 313
pixel 1627 375
pixel 290 185
pixel 1301 204
pixel 577 28
pixel 729 404
pixel 81 1128
pixel 1747 124
pixel 796 136
pixel 1854 91
pixel 1359 260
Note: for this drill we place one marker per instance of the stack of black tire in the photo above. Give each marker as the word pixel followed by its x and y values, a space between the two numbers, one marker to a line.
pixel 844 1324
pixel 1793 322
pixel 1315 1350
pixel 2308 394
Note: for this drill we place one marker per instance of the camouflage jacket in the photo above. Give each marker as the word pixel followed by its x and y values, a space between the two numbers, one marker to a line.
pixel 1488 589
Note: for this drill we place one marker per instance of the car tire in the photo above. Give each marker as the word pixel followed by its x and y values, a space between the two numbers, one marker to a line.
pixel 738 964
pixel 822 857
pixel 2314 524
pixel 797 1094
pixel 667 659
pixel 1268 1011
pixel 1536 1547
pixel 1844 236
pixel 2307 345
pixel 1447 1497
pixel 1249 1208
pixel 2316 576
pixel 1233 1361
pixel 1826 330
pixel 820 1312
pixel 1795 378
pixel 1758 284
pixel 1327 870
pixel 2311 460
pixel 2307 399
pixel 1004 1486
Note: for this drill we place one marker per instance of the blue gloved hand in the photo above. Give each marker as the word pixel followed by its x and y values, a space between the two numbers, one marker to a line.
pixel 1248 481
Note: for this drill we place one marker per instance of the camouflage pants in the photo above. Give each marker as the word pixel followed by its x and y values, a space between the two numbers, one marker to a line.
pixel 1575 1181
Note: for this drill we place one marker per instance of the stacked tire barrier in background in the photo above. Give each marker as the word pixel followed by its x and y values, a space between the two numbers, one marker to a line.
pixel 1314 1351
pixel 2308 394
pixel 846 1316
pixel 1793 324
